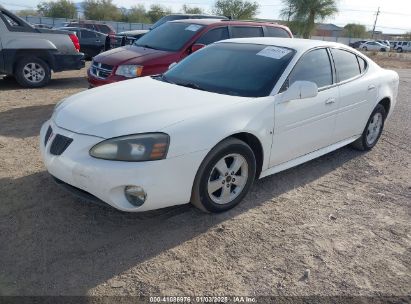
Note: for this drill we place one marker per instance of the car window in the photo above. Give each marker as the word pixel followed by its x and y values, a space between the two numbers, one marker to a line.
pixel 346 64
pixel 87 34
pixel 214 35
pixel 362 63
pixel 321 74
pixel 246 31
pixel 248 70
pixel 170 36
pixel 276 32
pixel 13 22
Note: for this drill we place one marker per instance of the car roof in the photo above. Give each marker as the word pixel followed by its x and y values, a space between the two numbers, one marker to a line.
pixel 300 45
pixel 210 21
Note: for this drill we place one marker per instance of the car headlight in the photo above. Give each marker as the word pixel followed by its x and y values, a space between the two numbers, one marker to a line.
pixel 129 70
pixel 140 147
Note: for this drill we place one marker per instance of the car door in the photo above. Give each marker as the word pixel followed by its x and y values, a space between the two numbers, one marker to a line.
pixel 1 49
pixel 304 125
pixel 90 43
pixel 357 91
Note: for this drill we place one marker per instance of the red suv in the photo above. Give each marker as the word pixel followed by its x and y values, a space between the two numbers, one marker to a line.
pixel 155 51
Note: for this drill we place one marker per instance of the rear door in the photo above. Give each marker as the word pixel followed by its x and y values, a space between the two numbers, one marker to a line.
pixel 90 43
pixel 213 35
pixel 302 126
pixel 357 91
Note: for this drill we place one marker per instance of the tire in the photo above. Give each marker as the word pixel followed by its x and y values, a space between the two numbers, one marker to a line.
pixel 32 72
pixel 234 185
pixel 383 50
pixel 368 140
pixel 365 48
pixel 399 50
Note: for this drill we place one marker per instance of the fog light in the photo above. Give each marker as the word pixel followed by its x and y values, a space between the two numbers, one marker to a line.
pixel 135 195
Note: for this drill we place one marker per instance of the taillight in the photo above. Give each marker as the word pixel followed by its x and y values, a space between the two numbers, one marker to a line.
pixel 75 41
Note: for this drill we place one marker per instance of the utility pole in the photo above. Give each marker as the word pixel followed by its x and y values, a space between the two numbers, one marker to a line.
pixel 375 22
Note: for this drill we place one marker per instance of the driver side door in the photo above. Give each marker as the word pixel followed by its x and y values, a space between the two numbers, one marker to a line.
pixel 302 126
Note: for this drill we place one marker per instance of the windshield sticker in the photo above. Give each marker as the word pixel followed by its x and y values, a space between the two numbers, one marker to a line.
pixel 193 27
pixel 273 52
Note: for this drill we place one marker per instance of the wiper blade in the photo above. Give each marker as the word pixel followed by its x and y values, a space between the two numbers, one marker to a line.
pixel 191 85
pixel 146 46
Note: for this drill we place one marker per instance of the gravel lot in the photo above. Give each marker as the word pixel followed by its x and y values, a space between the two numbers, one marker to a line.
pixel 338 225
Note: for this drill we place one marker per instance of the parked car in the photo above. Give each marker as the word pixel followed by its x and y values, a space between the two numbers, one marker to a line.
pixel 42 26
pixel 155 51
pixel 174 17
pixel 384 42
pixel 30 54
pixel 92 43
pixel 374 46
pixel 93 25
pixel 357 44
pixel 233 112
pixel 403 46
pixel 136 34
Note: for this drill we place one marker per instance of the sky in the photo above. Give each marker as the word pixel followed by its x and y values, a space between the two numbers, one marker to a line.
pixel 394 17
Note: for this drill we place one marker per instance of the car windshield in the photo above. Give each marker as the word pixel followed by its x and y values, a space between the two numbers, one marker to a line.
pixel 171 36
pixel 239 69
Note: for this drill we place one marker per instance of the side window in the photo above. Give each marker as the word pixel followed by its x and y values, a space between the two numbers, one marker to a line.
pixel 11 21
pixel 314 66
pixel 87 34
pixel 346 64
pixel 246 31
pixel 214 35
pixel 362 63
pixel 277 32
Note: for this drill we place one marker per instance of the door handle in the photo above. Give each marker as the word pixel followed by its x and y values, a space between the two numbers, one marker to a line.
pixel 371 87
pixel 330 100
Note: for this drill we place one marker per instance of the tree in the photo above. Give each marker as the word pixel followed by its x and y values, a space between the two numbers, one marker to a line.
pixel 304 13
pixel 192 10
pixel 354 30
pixel 57 9
pixel 157 11
pixel 27 12
pixel 101 10
pixel 136 13
pixel 237 9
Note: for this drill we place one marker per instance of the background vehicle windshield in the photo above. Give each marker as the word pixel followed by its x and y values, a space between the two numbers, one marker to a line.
pixel 170 36
pixel 248 70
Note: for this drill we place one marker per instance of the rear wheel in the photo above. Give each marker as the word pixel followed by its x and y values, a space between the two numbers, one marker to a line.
pixel 365 48
pixel 372 131
pixel 399 50
pixel 32 72
pixel 224 177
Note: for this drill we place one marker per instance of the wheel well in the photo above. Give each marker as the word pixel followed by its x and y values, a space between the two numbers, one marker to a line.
pixel 43 55
pixel 386 103
pixel 256 146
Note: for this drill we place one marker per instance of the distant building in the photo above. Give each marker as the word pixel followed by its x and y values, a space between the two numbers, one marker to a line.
pixel 328 30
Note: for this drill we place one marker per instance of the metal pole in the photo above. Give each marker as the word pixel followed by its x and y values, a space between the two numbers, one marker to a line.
pixel 375 23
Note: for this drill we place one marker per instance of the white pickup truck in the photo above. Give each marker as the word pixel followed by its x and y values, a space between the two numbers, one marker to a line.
pixel 30 54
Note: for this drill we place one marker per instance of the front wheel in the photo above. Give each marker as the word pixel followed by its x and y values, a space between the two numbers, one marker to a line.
pixel 372 131
pixel 399 50
pixel 224 177
pixel 365 48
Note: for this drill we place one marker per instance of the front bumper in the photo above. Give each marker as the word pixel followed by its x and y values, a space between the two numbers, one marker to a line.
pixel 167 182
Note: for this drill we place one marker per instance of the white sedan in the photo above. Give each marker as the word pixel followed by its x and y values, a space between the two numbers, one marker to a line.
pixel 233 112
pixel 374 46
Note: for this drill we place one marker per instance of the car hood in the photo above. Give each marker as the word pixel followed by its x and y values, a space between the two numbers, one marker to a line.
pixel 120 55
pixel 136 106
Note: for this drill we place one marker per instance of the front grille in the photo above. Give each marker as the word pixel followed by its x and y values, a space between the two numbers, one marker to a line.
pixel 101 70
pixel 48 134
pixel 60 144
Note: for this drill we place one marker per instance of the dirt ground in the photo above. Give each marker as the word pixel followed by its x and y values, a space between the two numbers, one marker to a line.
pixel 338 225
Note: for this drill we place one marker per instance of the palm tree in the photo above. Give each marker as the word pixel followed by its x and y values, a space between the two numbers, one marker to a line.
pixel 304 13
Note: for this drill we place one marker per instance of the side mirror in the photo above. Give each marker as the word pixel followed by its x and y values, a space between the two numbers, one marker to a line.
pixel 172 65
pixel 197 47
pixel 300 90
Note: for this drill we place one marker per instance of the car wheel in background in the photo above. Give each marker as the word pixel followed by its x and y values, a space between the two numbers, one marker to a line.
pixel 32 72
pixel 372 131
pixel 224 177
pixel 365 48
pixel 399 50
pixel 383 50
